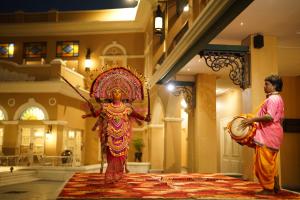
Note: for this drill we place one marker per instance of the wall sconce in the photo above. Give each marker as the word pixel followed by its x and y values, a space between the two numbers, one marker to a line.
pixel 183 88
pixel 49 130
pixel 88 62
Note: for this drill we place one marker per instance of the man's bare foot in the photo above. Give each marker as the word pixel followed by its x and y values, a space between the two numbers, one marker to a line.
pixel 265 192
pixel 276 184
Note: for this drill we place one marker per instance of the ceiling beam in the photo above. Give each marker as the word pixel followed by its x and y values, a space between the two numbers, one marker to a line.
pixel 229 11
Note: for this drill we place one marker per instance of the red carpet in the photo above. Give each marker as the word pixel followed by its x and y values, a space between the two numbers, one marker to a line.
pixel 165 186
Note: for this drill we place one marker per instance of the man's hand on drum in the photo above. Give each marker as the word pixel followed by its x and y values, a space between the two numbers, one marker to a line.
pixel 246 122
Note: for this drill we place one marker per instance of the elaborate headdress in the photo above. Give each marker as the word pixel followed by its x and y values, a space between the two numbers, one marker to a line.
pixel 122 78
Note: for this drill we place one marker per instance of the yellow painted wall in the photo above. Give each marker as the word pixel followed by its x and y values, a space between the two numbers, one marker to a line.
pixel 290 149
pixel 51 143
pixel 133 43
pixel 59 139
pixel 91 144
pixel 22 98
pixel 229 104
pixel 10 140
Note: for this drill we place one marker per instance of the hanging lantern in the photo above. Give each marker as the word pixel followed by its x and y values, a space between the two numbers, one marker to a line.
pixel 158 21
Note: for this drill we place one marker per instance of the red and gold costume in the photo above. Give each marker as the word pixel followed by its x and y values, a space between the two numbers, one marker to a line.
pixel 114 118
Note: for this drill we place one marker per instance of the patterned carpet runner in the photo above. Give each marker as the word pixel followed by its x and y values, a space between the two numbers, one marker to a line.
pixel 165 186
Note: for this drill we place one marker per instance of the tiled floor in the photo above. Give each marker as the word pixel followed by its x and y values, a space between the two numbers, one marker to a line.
pixel 37 190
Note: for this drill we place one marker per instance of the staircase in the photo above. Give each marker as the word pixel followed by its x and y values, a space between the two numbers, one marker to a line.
pixel 16 177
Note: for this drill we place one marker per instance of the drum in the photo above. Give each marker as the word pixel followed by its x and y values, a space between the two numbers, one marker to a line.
pixel 240 135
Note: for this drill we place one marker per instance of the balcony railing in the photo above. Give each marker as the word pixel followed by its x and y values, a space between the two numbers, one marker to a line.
pixel 12 72
pixel 36 160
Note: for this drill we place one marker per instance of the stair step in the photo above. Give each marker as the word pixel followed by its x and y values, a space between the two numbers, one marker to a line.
pixel 7 178
pixel 18 181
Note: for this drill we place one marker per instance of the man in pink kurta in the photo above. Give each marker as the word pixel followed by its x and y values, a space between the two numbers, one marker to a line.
pixel 270 133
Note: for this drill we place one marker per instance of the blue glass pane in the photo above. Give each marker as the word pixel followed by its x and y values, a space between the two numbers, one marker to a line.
pixel 68 49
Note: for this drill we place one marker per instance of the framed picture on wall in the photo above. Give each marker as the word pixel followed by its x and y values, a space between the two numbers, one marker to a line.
pixel 7 50
pixel 65 49
pixel 35 49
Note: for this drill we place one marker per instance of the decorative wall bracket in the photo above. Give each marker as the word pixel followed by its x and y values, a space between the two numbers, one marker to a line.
pixel 234 56
pixel 186 89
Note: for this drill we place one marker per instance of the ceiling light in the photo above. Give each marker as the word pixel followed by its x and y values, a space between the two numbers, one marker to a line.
pixel 242 24
pixel 186 8
pixel 188 69
pixel 171 87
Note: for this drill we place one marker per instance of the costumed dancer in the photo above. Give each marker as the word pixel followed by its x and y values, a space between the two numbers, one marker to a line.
pixel 115 90
pixel 269 135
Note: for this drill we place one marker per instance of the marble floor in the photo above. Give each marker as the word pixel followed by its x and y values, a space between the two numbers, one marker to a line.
pixel 36 190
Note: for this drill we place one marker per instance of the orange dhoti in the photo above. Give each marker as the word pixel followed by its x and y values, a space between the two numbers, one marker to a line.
pixel 265 166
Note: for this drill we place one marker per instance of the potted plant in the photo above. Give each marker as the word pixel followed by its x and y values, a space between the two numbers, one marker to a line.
pixel 138 144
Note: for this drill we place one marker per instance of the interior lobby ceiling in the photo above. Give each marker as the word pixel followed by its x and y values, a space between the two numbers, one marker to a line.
pixel 269 17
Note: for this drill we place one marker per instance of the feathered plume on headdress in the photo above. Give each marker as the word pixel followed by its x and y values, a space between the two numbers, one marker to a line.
pixel 125 79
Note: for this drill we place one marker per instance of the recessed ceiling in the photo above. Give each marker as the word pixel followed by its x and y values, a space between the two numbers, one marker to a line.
pixel 269 17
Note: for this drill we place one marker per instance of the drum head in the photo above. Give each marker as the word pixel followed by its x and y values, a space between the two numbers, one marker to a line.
pixel 236 129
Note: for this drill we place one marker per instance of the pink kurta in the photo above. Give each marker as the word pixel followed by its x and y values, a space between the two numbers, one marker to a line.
pixel 271 133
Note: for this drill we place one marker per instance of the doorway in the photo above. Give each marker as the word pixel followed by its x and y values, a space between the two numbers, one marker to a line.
pixel 230 151
pixel 73 142
pixel 32 140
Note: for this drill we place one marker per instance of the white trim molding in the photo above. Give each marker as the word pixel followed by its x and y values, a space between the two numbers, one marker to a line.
pixel 55 122
pixel 156 125
pixel 13 122
pixel 140 129
pixel 173 119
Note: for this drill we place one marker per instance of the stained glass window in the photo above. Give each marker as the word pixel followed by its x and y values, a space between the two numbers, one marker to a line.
pixel 35 49
pixel 2 117
pixel 7 50
pixel 67 49
pixel 33 113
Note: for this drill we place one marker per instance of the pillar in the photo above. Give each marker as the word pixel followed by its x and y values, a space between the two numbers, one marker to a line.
pixel 202 134
pixel 263 62
pixel 156 147
pixel 172 146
